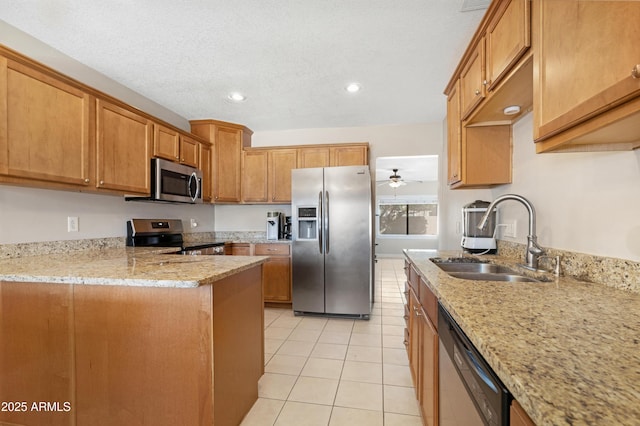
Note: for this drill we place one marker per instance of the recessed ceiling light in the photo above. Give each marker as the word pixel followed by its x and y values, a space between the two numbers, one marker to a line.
pixel 353 88
pixel 237 97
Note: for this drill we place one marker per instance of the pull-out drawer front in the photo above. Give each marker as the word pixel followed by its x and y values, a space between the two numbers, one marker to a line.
pixel 272 249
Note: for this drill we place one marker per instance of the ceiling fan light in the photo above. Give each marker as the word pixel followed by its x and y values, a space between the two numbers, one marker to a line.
pixel 396 183
pixel 353 88
pixel 237 97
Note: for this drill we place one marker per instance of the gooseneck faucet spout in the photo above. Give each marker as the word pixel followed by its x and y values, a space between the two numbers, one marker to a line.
pixel 534 251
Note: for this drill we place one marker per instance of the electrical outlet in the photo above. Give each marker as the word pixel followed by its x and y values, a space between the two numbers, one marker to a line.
pixel 193 223
pixel 72 224
pixel 509 229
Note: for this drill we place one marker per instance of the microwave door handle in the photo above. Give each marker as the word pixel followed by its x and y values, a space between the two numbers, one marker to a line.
pixel 195 194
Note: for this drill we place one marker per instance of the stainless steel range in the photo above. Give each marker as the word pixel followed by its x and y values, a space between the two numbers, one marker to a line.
pixel 167 233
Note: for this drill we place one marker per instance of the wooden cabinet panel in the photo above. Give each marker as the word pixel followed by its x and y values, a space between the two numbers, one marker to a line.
pixel 36 354
pixel 454 135
pixel 414 340
pixel 472 87
pixel 428 368
pixel 205 159
pixel 254 176
pixel 277 280
pixel 123 149
pixel 508 37
pixel 241 249
pixel 349 155
pixel 277 271
pixel 518 417
pixel 189 151
pixel 227 164
pixel 281 162
pixel 596 69
pixel 166 143
pixel 166 379
pixel 45 127
pixel 313 157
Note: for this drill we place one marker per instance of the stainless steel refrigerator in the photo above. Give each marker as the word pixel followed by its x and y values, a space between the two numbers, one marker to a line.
pixel 332 240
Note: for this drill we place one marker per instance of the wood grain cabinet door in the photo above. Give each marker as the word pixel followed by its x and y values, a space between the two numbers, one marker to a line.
pixel 349 155
pixel 313 157
pixel 227 164
pixel 472 81
pixel 584 54
pixel 281 162
pixel 454 136
pixel 123 149
pixel 189 151
pixel 204 164
pixel 508 37
pixel 166 143
pixel 254 176
pixel 45 128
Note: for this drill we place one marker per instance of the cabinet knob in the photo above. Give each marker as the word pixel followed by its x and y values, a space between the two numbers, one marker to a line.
pixel 485 82
pixel 635 72
pixel 101 182
pixel 477 92
pixel 86 180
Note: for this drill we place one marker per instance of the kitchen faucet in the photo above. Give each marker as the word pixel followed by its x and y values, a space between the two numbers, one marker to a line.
pixel 534 251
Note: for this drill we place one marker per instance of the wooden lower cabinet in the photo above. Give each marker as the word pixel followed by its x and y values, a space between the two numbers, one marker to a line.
pixel 518 417
pixel 277 272
pixel 423 353
pixel 115 355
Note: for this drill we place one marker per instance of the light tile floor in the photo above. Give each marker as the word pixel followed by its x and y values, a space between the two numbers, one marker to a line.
pixel 334 371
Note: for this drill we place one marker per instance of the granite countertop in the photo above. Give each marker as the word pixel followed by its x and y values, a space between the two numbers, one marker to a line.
pixel 569 351
pixel 145 267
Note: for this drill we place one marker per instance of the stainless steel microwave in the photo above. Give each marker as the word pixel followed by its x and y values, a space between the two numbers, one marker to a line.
pixel 173 183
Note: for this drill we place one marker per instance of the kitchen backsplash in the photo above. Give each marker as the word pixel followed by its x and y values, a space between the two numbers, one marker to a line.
pixel 618 273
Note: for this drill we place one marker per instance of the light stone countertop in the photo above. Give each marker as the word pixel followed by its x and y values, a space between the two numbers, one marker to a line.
pixel 568 351
pixel 145 267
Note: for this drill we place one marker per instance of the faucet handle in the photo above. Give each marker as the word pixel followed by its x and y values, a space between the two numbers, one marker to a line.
pixel 557 268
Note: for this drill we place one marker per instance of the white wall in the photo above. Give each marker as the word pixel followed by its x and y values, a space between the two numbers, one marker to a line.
pixel 33 48
pixel 585 202
pixel 29 215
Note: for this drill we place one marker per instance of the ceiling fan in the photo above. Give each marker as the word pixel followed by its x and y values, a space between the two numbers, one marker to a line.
pixel 395 180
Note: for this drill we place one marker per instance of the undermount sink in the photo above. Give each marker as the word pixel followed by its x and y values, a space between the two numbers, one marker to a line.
pixel 480 276
pixel 469 268
pixel 474 268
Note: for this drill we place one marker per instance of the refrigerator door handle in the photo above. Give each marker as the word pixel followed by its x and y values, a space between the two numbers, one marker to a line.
pixel 320 217
pixel 326 226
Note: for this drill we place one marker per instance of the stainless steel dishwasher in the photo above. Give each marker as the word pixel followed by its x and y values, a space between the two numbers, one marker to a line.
pixel 470 393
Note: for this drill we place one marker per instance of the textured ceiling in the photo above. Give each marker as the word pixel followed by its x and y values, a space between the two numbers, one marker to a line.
pixel 292 59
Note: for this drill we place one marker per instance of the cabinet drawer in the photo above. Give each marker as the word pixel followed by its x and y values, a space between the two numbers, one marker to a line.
pixel 272 249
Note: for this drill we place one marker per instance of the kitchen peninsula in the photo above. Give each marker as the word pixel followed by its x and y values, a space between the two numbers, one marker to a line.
pixel 130 336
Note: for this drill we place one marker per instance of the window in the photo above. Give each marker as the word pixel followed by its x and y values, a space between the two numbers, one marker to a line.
pixel 407 217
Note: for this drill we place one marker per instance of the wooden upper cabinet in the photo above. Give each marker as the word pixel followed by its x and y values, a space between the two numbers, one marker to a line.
pixel 508 37
pixel 472 81
pixel 45 126
pixel 123 149
pixel 254 176
pixel 454 136
pixel 166 143
pixel 204 164
pixel 189 151
pixel 174 146
pixel 313 157
pixel 349 155
pixel 227 140
pixel 281 162
pixel 586 54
